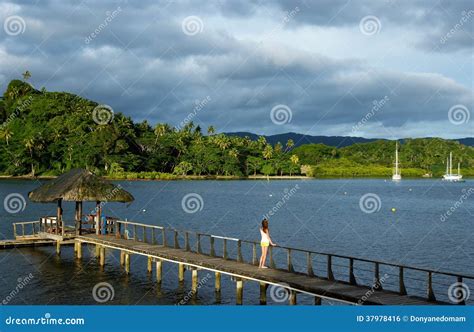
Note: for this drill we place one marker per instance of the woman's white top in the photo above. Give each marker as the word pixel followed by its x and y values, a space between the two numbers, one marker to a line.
pixel 265 237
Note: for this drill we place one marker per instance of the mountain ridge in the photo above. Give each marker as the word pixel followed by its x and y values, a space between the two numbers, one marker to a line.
pixel 336 141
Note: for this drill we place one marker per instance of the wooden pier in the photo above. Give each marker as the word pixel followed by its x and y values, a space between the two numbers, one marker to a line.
pixel 238 259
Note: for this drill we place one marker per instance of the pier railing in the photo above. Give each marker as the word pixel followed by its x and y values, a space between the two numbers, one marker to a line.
pixel 378 275
pixel 26 229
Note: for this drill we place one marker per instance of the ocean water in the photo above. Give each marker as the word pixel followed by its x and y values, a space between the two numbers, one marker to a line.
pixel 422 223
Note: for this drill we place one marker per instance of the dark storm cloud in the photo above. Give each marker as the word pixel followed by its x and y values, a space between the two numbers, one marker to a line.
pixel 144 65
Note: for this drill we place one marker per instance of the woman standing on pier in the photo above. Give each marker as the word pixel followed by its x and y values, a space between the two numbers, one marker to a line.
pixel 265 242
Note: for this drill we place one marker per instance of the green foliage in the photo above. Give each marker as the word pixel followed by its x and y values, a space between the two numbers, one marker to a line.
pixel 48 133
pixel 418 157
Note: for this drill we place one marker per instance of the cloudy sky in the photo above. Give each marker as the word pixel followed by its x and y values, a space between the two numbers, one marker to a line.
pixel 385 68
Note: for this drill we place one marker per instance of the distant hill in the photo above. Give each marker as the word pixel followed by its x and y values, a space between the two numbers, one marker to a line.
pixel 300 139
pixel 336 141
pixel 469 141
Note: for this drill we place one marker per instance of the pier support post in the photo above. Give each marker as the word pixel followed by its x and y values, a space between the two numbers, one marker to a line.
pixel 239 284
pixel 195 280
pixel 292 299
pixel 102 256
pixel 122 258
pixel 263 293
pixel 317 300
pixel 97 250
pixel 218 282
pixel 159 271
pixel 180 272
pixel 149 264
pixel 79 250
pixel 58 248
pixel 127 263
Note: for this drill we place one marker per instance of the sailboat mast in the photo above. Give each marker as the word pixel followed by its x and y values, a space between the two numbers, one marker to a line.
pixel 396 159
pixel 450 163
pixel 459 168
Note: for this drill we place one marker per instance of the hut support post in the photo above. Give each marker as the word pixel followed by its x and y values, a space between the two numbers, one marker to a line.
pixel 59 217
pixel 97 221
pixel 78 225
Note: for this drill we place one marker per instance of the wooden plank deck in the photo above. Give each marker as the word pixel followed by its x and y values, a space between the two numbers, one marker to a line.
pixel 27 242
pixel 295 281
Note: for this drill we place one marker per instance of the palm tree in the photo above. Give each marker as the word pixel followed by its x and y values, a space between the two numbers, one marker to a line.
pixel 160 130
pixel 211 130
pixel 294 160
pixel 262 141
pixel 6 134
pixel 289 144
pixel 29 144
pixel 222 141
pixel 26 75
pixel 268 152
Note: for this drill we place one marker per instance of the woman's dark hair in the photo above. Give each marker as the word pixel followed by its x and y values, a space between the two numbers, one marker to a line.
pixel 265 224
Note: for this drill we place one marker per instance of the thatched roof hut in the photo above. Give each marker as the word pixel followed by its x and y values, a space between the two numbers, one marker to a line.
pixel 79 185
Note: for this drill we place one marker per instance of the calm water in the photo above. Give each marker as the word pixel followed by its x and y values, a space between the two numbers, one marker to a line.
pixel 322 215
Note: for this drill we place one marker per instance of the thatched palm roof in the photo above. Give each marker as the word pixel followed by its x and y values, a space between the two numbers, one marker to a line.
pixel 79 185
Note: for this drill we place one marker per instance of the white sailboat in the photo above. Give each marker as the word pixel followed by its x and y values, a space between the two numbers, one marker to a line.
pixel 449 176
pixel 396 172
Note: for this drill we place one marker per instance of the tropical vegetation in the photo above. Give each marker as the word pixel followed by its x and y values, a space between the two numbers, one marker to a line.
pixel 48 133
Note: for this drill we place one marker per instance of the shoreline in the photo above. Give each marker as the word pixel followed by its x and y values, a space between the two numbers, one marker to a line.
pixel 223 178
